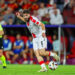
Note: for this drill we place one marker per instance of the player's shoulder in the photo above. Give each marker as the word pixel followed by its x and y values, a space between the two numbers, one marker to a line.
pixel 33 17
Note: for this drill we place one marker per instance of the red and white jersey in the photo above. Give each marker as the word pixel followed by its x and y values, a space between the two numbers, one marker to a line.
pixel 34 26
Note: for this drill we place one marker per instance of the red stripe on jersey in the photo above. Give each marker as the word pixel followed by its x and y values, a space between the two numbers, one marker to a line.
pixel 41 62
pixel 33 35
pixel 27 23
pixel 37 23
pixel 33 20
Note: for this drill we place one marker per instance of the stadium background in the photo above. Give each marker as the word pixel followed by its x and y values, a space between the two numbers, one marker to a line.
pixel 66 8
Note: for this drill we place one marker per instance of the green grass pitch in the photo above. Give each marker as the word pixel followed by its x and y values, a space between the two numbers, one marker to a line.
pixel 32 70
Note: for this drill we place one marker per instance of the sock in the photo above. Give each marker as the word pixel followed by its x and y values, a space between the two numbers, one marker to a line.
pixel 3 60
pixel 42 64
pixel 31 59
pixel 51 54
pixel 9 59
pixel 25 59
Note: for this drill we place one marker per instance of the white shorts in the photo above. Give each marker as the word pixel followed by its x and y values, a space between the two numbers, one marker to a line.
pixel 39 43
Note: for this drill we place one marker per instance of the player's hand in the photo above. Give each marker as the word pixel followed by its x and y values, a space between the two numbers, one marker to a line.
pixel 17 14
pixel 43 35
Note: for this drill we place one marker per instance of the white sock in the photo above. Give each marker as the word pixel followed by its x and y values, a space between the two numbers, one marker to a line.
pixel 51 54
pixel 43 66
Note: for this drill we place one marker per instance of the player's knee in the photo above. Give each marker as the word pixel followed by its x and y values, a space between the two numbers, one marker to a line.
pixel 37 54
pixel 42 53
pixel 7 53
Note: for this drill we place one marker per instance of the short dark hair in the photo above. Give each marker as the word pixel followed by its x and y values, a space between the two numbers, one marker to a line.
pixel 26 11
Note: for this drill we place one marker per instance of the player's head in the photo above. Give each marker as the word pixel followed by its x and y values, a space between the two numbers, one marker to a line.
pixel 55 37
pixel 18 36
pixel 42 5
pixel 5 37
pixel 26 15
pixel 30 38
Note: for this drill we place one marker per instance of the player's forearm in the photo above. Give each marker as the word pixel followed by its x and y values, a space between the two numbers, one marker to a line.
pixel 21 18
pixel 14 47
pixel 42 26
pixel 1 32
pixel 19 47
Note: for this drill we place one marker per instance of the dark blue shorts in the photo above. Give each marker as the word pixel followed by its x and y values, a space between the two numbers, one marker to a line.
pixel 17 51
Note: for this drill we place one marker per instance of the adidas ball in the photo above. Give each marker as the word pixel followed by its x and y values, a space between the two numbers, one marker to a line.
pixel 52 65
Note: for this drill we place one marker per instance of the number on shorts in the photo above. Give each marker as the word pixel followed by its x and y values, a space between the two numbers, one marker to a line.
pixel 42 43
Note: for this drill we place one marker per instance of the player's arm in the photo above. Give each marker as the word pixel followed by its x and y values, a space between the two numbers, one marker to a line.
pixel 1 30
pixel 20 46
pixel 26 50
pixel 20 17
pixel 43 29
pixel 42 26
pixel 16 47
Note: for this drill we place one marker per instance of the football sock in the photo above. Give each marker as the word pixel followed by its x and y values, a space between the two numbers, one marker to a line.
pixel 51 54
pixel 42 64
pixel 31 59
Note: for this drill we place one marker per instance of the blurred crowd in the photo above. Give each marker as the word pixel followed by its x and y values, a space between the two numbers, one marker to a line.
pixel 19 49
pixel 54 12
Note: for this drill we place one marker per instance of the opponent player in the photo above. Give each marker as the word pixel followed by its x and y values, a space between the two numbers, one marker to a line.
pixel 2 58
pixel 37 30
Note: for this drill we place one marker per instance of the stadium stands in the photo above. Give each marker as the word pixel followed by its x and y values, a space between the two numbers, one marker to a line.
pixel 8 8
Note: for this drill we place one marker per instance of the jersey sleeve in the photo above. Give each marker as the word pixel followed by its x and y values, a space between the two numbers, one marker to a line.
pixel 1 27
pixel 36 21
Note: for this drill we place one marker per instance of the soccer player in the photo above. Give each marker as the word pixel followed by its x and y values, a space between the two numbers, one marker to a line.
pixel 37 30
pixel 7 45
pixel 29 48
pixel 2 58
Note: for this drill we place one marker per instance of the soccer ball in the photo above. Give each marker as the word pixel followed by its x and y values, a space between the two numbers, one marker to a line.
pixel 53 65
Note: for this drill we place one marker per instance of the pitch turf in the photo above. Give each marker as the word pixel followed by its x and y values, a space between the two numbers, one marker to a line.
pixel 32 70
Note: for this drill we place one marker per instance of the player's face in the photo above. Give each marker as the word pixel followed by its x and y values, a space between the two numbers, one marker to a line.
pixel 30 38
pixel 54 37
pixel 26 16
pixel 18 37
pixel 5 37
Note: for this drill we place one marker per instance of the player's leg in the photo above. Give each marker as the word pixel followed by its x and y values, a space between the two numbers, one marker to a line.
pixel 31 56
pixel 2 58
pixel 48 53
pixel 8 56
pixel 43 52
pixel 39 58
pixel 41 61
pixel 15 57
pixel 9 53
pixel 24 55
pixel 48 60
